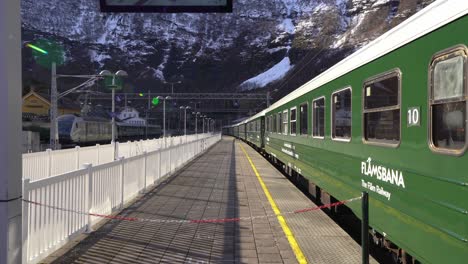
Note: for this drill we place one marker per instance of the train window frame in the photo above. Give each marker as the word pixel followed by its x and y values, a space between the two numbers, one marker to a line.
pixel 300 120
pixel 452 52
pixel 280 122
pixel 290 120
pixel 268 125
pixel 396 72
pixel 273 124
pixel 332 111
pixel 324 116
pixel 285 121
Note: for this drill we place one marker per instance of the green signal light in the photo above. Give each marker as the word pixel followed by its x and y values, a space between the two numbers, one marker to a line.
pixel 36 48
pixel 155 101
pixel 140 94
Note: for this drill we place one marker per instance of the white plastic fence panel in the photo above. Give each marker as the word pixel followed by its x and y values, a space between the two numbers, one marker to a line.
pixel 36 165
pixel 165 162
pixel 106 153
pixel 48 229
pixel 106 188
pixel 63 161
pixel 152 167
pixel 134 169
pixel 89 155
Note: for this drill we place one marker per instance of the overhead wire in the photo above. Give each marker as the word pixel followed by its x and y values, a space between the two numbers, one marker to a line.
pixel 288 78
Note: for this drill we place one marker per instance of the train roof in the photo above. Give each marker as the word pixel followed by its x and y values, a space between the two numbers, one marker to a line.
pixel 432 17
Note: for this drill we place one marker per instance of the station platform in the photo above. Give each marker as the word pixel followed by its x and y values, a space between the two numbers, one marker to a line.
pixel 229 205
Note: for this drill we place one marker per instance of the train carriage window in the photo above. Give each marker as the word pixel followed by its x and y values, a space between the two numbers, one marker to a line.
pixel 341 114
pixel 280 122
pixel 293 118
pixel 276 123
pixel 267 125
pixel 382 109
pixel 303 118
pixel 285 122
pixel 448 96
pixel 318 107
pixel 273 123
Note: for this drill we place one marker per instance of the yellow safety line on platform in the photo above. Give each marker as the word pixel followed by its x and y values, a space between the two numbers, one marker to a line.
pixel 289 235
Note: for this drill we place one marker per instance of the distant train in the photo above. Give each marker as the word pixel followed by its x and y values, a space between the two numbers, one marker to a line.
pixel 390 119
pixel 78 130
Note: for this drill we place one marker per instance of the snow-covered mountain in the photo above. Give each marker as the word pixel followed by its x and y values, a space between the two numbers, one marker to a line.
pixel 259 43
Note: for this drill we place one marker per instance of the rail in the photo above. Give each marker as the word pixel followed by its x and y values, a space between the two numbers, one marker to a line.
pixel 48 163
pixel 99 190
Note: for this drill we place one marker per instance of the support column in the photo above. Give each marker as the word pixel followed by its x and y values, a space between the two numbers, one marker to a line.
pixel 10 131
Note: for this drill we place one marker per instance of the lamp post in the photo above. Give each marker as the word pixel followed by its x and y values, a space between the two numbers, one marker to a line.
pixel 147 113
pixel 208 126
pixel 185 108
pixel 203 130
pixel 55 96
pixel 119 73
pixel 164 116
pixel 211 125
pixel 196 122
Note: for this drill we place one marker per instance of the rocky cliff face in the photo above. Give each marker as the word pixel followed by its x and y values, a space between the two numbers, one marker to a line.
pixel 258 45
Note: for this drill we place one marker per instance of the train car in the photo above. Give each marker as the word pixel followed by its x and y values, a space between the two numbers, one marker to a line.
pixel 74 129
pixel 79 130
pixel 255 132
pixel 390 119
pixel 236 131
pixel 243 130
pixel 127 131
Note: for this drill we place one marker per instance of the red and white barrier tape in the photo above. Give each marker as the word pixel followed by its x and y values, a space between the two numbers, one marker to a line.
pixel 214 220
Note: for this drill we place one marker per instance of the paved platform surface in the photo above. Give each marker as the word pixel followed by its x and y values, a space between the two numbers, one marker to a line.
pixel 220 184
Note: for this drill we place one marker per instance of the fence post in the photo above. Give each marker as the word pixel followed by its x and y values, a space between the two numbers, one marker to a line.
pixel 122 181
pixel 145 155
pixel 89 194
pixel 365 228
pixel 77 151
pixel 116 150
pixel 49 154
pixel 98 149
pixel 25 226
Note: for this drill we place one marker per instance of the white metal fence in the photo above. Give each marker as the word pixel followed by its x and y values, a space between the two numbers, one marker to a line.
pixel 59 206
pixel 47 163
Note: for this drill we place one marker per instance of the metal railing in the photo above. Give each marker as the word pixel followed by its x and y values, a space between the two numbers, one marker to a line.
pixel 58 208
pixel 48 163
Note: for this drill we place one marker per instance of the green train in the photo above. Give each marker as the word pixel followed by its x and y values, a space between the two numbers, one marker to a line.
pixel 390 119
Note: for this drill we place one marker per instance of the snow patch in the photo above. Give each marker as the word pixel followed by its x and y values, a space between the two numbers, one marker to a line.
pixel 275 73
pixel 339 42
pixel 287 26
pixel 273 50
pixel 98 57
pixel 380 2
pixel 158 74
